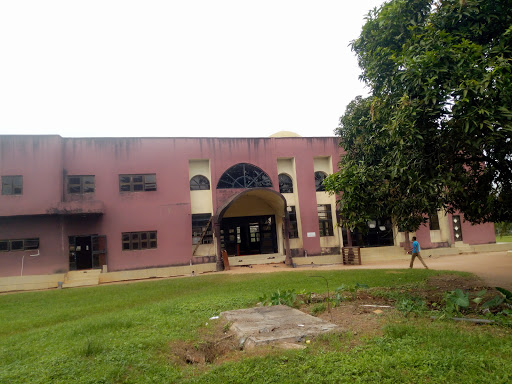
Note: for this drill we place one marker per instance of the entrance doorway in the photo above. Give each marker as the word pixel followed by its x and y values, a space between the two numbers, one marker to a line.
pixel 457 228
pixel 87 252
pixel 249 235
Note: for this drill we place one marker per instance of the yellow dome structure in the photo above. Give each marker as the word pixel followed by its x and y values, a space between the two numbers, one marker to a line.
pixel 285 134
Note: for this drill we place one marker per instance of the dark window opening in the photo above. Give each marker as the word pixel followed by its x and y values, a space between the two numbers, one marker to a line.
pixel 244 175
pixel 199 183
pixel 202 227
pixel 138 240
pixel 81 184
pixel 294 229
pixel 12 185
pixel 137 183
pixel 319 181
pixel 434 222
pixel 325 220
pixel 285 183
pixel 19 244
pixel 378 233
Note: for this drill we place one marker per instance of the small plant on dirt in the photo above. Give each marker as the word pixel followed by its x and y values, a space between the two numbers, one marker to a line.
pixel 318 309
pixel 306 296
pixel 408 305
pixel 339 293
pixel 357 287
pixel 288 297
pixel 503 298
pixel 455 301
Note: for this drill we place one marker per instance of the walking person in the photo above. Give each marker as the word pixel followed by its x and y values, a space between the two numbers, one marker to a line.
pixel 416 252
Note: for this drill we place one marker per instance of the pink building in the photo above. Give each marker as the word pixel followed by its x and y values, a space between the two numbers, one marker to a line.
pixel 137 203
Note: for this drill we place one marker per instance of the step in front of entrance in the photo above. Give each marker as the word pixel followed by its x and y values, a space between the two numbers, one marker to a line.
pixel 83 278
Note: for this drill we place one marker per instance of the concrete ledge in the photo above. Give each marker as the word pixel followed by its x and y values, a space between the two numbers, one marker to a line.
pixel 327 259
pixel 498 247
pixel 30 282
pixel 374 254
pixel 440 252
pixel 256 259
pixel 139 274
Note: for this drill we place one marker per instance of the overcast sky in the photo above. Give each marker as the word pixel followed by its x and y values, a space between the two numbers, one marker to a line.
pixel 195 68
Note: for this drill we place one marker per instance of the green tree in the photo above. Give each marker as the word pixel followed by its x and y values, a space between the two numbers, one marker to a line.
pixel 436 130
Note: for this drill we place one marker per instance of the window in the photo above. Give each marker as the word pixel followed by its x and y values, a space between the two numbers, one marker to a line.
pixel 319 181
pixel 244 175
pixel 12 185
pixel 138 240
pixel 19 244
pixel 80 184
pixel 137 183
pixel 434 222
pixel 201 224
pixel 199 183
pixel 285 183
pixel 325 220
pixel 294 229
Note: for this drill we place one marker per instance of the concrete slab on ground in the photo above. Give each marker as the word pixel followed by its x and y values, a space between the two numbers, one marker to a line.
pixel 274 325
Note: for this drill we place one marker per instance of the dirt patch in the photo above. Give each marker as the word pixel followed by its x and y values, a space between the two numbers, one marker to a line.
pixel 213 342
pixel 361 322
pixel 452 282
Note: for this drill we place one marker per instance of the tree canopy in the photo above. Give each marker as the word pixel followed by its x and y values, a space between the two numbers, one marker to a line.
pixel 436 131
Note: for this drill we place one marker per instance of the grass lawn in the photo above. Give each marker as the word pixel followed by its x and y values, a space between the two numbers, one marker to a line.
pixel 123 334
pixel 507 238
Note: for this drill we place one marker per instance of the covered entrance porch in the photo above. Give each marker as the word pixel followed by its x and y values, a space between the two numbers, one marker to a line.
pixel 253 223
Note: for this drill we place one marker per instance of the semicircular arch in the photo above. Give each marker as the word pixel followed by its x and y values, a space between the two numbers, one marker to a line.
pixel 243 176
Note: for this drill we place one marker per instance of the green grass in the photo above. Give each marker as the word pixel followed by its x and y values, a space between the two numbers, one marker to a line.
pixel 506 238
pixel 121 334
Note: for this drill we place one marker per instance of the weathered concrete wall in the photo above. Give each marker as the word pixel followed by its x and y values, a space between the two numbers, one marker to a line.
pixel 39 160
pixel 52 241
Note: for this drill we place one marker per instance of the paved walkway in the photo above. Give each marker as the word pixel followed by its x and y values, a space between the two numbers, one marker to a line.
pixel 494 268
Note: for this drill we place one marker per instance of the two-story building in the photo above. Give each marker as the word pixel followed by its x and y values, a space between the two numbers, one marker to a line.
pixel 128 204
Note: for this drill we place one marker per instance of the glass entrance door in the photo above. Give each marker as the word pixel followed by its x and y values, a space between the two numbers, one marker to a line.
pixel 87 252
pixel 250 235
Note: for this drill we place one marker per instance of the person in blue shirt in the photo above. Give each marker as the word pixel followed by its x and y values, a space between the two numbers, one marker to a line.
pixel 416 252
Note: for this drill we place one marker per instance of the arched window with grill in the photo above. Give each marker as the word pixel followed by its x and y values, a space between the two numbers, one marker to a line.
pixel 244 175
pixel 199 183
pixel 285 183
pixel 319 181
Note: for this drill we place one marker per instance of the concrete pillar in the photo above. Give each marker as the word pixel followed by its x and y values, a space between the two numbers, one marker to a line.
pixel 216 233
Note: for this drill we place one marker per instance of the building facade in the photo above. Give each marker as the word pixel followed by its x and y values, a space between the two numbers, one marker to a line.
pixel 134 203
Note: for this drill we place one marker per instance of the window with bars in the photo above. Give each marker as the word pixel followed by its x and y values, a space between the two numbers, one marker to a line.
pixel 325 220
pixel 434 222
pixel 80 184
pixel 138 240
pixel 12 185
pixel 137 183
pixel 201 223
pixel 294 229
pixel 199 183
pixel 319 181
pixel 19 244
pixel 285 183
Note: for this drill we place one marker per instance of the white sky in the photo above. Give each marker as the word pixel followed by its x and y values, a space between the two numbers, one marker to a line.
pixel 190 68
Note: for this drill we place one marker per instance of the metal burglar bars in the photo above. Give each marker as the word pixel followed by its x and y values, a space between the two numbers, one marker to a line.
pixel 349 257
